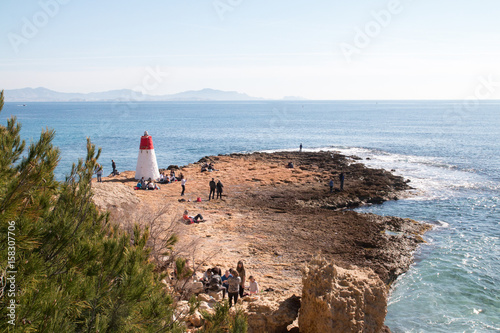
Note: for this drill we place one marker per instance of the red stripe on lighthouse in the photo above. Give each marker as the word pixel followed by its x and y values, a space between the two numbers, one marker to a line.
pixel 146 142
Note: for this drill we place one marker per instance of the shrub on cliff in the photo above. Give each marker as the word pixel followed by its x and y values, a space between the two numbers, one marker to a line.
pixel 63 268
pixel 222 321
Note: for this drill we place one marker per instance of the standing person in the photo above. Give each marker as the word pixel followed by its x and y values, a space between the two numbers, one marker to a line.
pixel 99 173
pixel 331 185
pixel 219 189
pixel 224 279
pixel 241 272
pixel 212 189
pixel 233 287
pixel 183 184
pixel 341 179
pixel 113 165
pixel 300 148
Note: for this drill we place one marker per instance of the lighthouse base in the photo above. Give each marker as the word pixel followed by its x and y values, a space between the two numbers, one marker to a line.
pixel 147 166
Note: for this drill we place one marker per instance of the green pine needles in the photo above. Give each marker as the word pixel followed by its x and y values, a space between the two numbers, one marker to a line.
pixel 63 267
pixel 223 321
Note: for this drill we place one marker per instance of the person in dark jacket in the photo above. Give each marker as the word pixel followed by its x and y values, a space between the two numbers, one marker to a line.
pixel 341 179
pixel 219 189
pixel 212 189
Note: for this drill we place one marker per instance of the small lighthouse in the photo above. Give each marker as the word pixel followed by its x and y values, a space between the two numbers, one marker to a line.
pixel 147 166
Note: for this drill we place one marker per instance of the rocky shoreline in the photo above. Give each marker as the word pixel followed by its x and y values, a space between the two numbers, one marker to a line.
pixel 276 219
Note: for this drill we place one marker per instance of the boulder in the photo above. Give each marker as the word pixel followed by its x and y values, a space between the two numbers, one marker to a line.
pixel 204 298
pixel 181 310
pixel 272 316
pixel 196 319
pixel 336 299
pixel 190 287
pixel 204 306
pixel 216 295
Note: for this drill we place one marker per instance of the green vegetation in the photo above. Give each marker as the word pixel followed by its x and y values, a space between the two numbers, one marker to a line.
pixel 223 321
pixel 64 267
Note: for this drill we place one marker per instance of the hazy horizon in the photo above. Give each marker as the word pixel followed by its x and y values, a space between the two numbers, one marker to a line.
pixel 368 50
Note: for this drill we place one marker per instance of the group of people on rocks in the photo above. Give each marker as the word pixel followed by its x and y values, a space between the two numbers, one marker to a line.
pixel 341 181
pixel 147 185
pixel 215 188
pixel 167 179
pixel 232 282
pixel 207 167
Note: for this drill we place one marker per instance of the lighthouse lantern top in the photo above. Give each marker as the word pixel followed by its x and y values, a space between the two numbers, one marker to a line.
pixel 146 141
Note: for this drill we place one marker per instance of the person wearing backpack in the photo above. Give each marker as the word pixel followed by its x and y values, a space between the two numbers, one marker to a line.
pixel 233 287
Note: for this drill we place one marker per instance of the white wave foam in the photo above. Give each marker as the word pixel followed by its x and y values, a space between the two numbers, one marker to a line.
pixel 432 177
pixel 440 224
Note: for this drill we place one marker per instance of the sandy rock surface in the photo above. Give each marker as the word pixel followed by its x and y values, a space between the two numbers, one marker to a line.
pixel 276 218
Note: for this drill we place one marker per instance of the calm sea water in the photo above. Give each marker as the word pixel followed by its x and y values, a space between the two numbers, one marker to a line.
pixel 449 152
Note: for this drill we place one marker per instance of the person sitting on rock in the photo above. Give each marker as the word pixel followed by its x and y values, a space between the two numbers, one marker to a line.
pixel 206 276
pixel 254 286
pixel 217 270
pixel 190 220
pixel 290 165
pixel 215 285
pixel 163 178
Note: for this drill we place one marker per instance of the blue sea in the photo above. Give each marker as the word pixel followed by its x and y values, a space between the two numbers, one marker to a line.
pixel 448 149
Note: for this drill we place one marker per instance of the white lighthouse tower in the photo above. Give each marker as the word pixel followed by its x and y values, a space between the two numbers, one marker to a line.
pixel 147 166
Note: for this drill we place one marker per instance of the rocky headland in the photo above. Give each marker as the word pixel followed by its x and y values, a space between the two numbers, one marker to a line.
pixel 278 220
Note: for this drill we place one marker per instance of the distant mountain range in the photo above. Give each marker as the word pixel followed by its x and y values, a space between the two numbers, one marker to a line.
pixel 47 95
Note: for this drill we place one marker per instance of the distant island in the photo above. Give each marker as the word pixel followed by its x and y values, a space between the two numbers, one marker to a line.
pixel 125 95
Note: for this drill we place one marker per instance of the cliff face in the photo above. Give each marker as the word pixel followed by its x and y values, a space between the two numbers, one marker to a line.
pixel 335 299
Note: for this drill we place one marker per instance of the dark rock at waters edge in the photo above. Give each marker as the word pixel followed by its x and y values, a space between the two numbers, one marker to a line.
pixel 311 219
pixel 277 219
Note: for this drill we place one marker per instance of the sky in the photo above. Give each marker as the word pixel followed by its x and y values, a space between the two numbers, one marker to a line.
pixel 395 49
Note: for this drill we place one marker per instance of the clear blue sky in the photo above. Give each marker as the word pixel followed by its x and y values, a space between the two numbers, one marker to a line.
pixel 423 50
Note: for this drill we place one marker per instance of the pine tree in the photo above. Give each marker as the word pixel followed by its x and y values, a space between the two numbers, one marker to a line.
pixel 74 271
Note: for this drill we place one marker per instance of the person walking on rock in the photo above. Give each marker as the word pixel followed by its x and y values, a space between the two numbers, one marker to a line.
pixel 341 179
pixel 113 165
pixel 331 185
pixel 219 189
pixel 183 184
pixel 212 189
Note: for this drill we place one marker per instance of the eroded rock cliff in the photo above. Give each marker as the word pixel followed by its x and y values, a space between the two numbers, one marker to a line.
pixel 336 299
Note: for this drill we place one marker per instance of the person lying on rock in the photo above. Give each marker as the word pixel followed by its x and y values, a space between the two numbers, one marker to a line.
pixel 190 219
